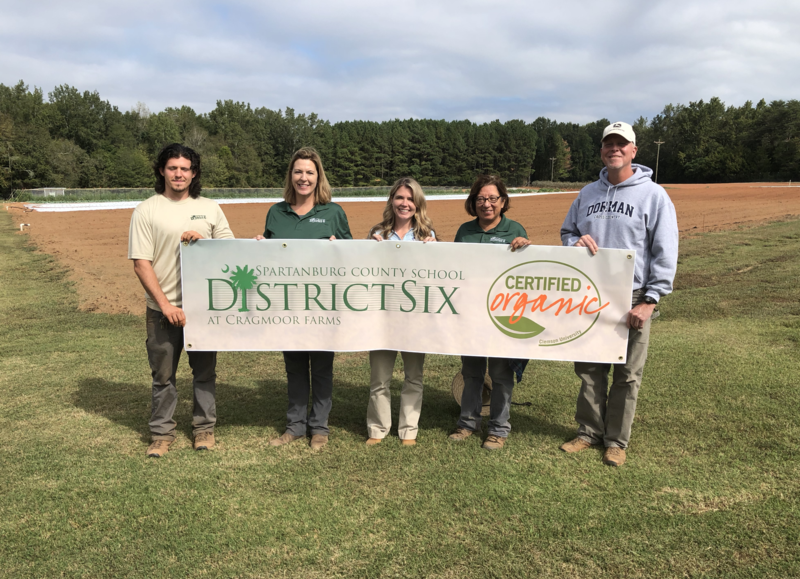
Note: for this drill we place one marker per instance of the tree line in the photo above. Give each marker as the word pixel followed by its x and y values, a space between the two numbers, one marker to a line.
pixel 76 139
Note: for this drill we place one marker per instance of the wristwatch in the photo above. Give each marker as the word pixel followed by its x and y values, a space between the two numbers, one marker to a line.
pixel 649 300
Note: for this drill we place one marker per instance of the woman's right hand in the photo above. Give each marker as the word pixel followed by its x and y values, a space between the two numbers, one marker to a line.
pixel 377 237
pixel 259 237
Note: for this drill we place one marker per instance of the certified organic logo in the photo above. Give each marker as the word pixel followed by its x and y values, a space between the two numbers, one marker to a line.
pixel 549 299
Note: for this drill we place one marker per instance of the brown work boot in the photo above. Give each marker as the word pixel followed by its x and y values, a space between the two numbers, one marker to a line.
pixel 373 441
pixel 577 444
pixel 284 438
pixel 159 448
pixel 614 456
pixel 204 440
pixel 460 434
pixel 318 441
pixel 494 442
pixel 408 441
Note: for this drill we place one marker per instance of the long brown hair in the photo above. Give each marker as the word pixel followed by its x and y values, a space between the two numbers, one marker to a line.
pixel 420 223
pixel 322 192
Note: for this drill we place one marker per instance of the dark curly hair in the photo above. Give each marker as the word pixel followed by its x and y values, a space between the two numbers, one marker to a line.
pixel 174 151
pixel 482 181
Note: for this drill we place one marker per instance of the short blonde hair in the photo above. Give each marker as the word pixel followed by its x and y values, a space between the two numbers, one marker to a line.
pixel 322 192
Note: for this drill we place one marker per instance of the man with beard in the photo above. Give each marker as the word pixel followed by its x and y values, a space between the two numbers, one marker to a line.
pixel 176 213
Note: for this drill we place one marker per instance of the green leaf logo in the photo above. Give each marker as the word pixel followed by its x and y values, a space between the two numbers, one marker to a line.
pixel 521 327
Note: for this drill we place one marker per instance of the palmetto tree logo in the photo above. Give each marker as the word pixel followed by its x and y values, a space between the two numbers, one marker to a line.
pixel 243 279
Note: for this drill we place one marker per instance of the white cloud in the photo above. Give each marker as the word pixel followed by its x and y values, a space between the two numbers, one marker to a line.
pixel 576 61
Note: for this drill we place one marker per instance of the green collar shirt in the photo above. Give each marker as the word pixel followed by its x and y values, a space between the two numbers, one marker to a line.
pixel 319 223
pixel 505 232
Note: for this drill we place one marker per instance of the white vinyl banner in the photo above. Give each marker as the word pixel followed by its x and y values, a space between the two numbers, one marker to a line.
pixel 540 302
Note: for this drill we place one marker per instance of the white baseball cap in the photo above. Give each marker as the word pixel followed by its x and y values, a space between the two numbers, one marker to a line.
pixel 622 129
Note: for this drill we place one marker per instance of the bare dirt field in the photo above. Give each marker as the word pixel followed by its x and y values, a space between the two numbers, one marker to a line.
pixel 94 244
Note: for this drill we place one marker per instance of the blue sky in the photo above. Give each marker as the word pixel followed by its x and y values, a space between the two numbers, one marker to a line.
pixel 573 61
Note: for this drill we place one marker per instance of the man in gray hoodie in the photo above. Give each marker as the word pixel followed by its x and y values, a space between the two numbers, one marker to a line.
pixel 623 210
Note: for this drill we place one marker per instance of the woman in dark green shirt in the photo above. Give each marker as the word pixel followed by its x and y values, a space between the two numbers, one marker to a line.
pixel 487 202
pixel 307 213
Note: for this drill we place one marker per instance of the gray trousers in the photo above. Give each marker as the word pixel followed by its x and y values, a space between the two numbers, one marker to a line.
pixel 379 410
pixel 164 346
pixel 320 386
pixel 606 415
pixel 473 369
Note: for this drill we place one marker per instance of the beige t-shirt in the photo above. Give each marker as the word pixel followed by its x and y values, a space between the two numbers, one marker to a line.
pixel 155 235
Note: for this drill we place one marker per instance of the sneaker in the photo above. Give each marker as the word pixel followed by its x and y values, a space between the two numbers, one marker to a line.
pixel 204 440
pixel 318 441
pixel 493 442
pixel 284 438
pixel 373 441
pixel 460 434
pixel 575 445
pixel 159 448
pixel 408 441
pixel 614 456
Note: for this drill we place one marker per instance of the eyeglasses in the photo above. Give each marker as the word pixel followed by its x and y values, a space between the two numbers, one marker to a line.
pixel 481 200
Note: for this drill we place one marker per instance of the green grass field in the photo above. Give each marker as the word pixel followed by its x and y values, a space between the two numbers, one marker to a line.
pixel 710 488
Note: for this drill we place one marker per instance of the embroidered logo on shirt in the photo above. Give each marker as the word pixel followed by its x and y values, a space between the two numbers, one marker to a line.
pixel 498 240
pixel 198 217
pixel 316 220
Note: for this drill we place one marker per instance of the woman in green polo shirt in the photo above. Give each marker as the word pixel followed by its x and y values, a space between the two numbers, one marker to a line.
pixel 405 218
pixel 488 202
pixel 307 213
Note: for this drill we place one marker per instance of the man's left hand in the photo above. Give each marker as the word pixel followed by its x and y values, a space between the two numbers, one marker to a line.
pixel 190 236
pixel 639 315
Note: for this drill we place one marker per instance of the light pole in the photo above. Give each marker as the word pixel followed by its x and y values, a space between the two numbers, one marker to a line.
pixel 552 164
pixel 658 153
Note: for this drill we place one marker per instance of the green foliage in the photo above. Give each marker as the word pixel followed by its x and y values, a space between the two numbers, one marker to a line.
pixel 74 139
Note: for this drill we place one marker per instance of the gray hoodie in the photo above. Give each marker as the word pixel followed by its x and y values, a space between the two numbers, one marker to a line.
pixel 636 214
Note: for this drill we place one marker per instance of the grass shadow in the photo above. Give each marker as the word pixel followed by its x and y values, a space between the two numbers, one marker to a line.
pixel 128 404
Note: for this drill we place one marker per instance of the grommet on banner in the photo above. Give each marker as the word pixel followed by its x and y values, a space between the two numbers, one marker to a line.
pixel 283 245
pixel 185 243
pixel 630 256
pixel 397 246
pixel 188 345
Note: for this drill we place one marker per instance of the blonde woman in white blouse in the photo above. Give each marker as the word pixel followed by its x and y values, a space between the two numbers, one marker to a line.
pixel 404 219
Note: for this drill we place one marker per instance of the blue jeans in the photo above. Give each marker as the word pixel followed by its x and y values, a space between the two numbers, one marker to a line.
pixel 473 369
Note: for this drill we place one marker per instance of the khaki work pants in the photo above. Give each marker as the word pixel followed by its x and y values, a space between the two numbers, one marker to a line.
pixel 164 346
pixel 604 415
pixel 379 411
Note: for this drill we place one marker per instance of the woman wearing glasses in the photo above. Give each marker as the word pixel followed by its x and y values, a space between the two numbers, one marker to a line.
pixel 405 218
pixel 488 202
